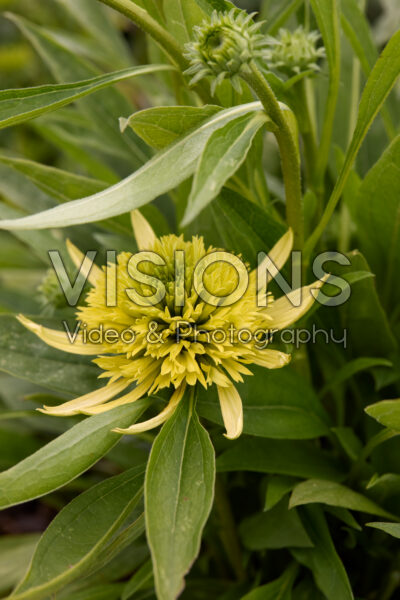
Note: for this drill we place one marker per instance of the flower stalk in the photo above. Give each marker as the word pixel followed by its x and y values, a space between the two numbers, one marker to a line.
pixel 289 151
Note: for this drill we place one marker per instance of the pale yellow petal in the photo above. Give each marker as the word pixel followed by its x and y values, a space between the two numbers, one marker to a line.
pixel 290 308
pixel 144 234
pixel 139 391
pixel 87 267
pixel 232 411
pixel 73 407
pixel 271 359
pixel 60 340
pixel 277 257
pixel 160 418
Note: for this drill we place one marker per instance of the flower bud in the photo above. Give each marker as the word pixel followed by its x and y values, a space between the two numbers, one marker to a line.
pixel 294 52
pixel 224 47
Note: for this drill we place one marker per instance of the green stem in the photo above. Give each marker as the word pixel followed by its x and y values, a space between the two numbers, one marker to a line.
pixel 142 18
pixel 228 532
pixel 289 151
pixel 308 133
pixel 163 38
pixel 331 103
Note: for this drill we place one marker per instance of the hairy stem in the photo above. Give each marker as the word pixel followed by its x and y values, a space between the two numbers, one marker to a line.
pixel 142 18
pixel 290 156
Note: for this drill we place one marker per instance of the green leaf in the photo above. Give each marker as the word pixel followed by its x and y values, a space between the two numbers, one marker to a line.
pixel 238 225
pixel 209 6
pixel 161 126
pixel 275 529
pixel 280 457
pixel 352 368
pixel 224 153
pixel 142 578
pixel 66 457
pixel 379 230
pixel 390 528
pixel 357 29
pixel 369 331
pixel 24 355
pixel 276 404
pixel 20 105
pixel 15 445
pixel 94 18
pixel 58 183
pixel 155 178
pixel 327 15
pixel 103 109
pixel 334 494
pixel 63 553
pixel 280 589
pixel 349 441
pixel 326 566
pixel 180 479
pixel 181 16
pixel 277 487
pixel 381 81
pixel 109 591
pixel 277 15
pixel 15 553
pixel 387 413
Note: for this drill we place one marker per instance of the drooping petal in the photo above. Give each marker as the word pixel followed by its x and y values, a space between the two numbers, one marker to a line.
pixel 60 340
pixel 144 234
pixel 277 257
pixel 290 308
pixel 232 411
pixel 139 391
pixel 271 359
pixel 88 268
pixel 160 418
pixel 74 407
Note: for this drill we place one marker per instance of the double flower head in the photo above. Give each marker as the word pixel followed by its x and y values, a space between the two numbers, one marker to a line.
pixel 175 363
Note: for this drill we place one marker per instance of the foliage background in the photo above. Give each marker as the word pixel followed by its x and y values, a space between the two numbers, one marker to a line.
pixel 323 547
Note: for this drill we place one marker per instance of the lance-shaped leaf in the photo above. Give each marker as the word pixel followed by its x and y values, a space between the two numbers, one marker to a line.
pixel 225 152
pixel 179 492
pixel 79 533
pixel 56 182
pixel 334 494
pixel 380 82
pixel 390 528
pixel 66 457
pixel 323 560
pixel 161 126
pixel 157 176
pixel 387 413
pixel 19 105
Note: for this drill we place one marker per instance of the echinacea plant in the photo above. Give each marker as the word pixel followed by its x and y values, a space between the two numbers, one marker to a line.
pixel 200 324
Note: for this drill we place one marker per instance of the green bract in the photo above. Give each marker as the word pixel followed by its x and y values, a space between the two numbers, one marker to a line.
pixel 224 46
pixel 294 52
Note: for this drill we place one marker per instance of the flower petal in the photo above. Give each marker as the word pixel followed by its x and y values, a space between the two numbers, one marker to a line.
pixel 139 391
pixel 278 256
pixel 144 234
pixel 87 267
pixel 160 418
pixel 290 308
pixel 232 411
pixel 271 359
pixel 73 407
pixel 59 339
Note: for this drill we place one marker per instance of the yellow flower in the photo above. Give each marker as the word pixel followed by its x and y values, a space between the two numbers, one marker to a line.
pixel 165 329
